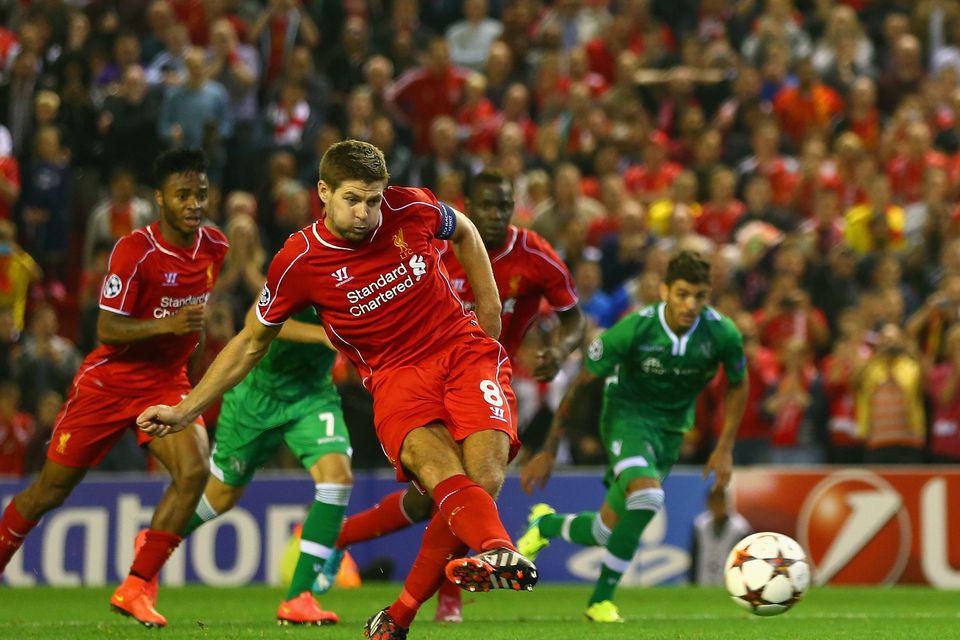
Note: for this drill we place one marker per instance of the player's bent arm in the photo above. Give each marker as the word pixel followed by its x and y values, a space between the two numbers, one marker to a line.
pixel 296 331
pixel 230 366
pixel 734 406
pixel 472 255
pixel 721 459
pixel 573 326
pixel 115 328
pixel 537 471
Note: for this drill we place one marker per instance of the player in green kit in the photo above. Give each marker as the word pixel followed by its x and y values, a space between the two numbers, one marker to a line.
pixel 288 397
pixel 656 361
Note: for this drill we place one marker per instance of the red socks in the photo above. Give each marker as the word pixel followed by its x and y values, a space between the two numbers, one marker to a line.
pixel 471 514
pixel 13 529
pixel 157 547
pixel 439 546
pixel 384 517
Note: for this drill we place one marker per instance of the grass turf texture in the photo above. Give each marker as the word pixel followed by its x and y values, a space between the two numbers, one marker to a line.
pixel 553 612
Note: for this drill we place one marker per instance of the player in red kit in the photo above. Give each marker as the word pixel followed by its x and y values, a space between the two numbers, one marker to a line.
pixel 443 407
pixel 151 318
pixel 527 272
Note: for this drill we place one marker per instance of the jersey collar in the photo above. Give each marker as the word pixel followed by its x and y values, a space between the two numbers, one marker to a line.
pixel 507 247
pixel 679 342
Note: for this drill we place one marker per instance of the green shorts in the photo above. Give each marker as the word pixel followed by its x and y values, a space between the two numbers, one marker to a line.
pixel 252 425
pixel 637 447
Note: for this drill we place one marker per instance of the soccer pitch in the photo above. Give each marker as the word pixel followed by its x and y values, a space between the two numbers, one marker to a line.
pixel 550 612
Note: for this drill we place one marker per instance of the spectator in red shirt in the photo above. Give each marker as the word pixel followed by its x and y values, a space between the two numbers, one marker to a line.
pixel 850 353
pixel 944 388
pixel 763 369
pixel 16 431
pixel 906 169
pixel 767 161
pixel 651 180
pixel 723 209
pixel 807 107
pixel 421 95
pixel 788 313
pixel 861 116
pixel 9 175
pixel 477 118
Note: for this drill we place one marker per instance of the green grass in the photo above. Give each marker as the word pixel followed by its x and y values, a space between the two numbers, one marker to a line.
pixel 551 612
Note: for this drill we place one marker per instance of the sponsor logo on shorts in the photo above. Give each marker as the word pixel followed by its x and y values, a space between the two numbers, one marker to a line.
pixel 62 442
pixel 497 413
pixel 112 286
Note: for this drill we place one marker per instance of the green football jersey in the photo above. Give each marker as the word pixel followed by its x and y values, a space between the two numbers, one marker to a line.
pixel 292 371
pixel 650 368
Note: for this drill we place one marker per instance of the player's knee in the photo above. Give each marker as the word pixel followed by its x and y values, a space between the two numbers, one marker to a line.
pixel 192 478
pixel 490 480
pixel 418 506
pixel 650 499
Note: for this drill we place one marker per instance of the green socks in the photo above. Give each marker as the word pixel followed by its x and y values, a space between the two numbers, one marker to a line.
pixel 585 528
pixel 642 506
pixel 320 531
pixel 204 513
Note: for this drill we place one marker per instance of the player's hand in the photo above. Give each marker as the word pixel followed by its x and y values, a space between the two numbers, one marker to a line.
pixel 160 420
pixel 721 463
pixel 188 320
pixel 548 364
pixel 537 471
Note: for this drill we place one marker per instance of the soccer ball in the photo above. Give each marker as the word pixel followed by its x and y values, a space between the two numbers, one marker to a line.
pixel 767 573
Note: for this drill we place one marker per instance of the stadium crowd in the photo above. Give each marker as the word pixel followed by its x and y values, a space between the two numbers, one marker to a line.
pixel 810 148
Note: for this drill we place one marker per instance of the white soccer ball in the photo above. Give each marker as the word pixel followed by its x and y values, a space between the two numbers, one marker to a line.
pixel 767 573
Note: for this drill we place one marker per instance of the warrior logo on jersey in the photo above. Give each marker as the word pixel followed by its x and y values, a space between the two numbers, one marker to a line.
pixel 595 351
pixel 264 297
pixel 112 286
pixel 340 275
pixel 401 244
pixel 170 279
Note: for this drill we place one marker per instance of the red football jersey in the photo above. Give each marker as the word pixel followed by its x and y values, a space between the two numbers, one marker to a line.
pixel 384 301
pixel 149 278
pixel 527 270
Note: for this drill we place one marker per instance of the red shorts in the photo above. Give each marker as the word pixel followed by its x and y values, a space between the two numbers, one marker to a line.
pixel 466 387
pixel 92 421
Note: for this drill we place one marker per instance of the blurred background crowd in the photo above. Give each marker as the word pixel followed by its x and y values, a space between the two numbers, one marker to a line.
pixel 810 148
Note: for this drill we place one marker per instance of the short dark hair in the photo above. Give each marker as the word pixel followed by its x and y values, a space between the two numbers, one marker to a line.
pixel 178 161
pixel 689 266
pixel 490 175
pixel 352 160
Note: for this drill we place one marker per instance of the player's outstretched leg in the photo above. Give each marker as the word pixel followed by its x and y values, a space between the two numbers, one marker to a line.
pixel 394 512
pixel 586 529
pixel 320 530
pixel 48 490
pixel 425 575
pixel 642 504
